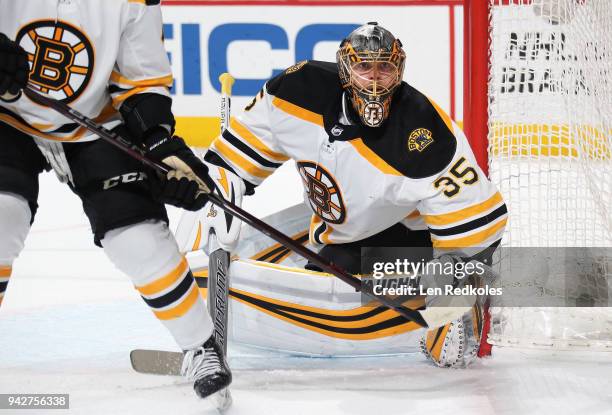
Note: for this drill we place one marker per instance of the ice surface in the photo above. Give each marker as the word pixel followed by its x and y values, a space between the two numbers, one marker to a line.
pixel 69 321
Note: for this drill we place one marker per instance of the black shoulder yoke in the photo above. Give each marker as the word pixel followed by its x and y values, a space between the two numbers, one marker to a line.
pixel 416 139
pixel 311 85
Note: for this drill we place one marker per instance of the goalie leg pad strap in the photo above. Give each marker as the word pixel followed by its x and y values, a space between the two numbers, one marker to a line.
pixel 148 253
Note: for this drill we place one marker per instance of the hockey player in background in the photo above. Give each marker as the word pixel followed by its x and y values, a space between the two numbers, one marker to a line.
pixel 381 164
pixel 106 58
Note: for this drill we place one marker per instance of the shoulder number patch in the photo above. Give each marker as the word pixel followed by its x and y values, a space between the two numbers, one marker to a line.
pixel 419 139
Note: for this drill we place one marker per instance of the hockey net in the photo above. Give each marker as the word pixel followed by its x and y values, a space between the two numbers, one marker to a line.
pixel 549 146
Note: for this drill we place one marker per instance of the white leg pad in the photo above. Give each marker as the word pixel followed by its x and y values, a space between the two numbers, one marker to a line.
pixel 147 252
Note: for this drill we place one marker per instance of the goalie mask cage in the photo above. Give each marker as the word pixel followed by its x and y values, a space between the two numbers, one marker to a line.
pixel 538 113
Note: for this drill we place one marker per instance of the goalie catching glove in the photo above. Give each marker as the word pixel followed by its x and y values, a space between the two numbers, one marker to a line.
pixel 215 221
pixel 187 183
pixel 456 343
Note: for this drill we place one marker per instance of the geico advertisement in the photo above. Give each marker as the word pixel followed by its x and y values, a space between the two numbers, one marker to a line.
pixel 254 43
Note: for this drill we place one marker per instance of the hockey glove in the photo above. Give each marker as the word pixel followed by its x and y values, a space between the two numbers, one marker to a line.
pixel 14 69
pixel 214 220
pixel 187 182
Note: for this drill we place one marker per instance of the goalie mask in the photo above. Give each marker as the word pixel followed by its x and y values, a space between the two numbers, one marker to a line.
pixel 371 65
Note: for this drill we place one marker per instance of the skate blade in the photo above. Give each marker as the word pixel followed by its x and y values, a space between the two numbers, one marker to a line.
pixel 222 400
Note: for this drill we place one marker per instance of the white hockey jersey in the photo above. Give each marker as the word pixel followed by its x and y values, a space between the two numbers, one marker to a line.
pixel 417 169
pixel 92 54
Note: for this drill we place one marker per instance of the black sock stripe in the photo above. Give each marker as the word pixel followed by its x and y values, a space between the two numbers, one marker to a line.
pixel 3 286
pixel 172 296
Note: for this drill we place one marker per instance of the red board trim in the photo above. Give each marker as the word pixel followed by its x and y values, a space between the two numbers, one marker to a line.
pixel 312 3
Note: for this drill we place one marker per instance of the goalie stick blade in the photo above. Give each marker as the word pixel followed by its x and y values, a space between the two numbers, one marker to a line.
pixel 156 362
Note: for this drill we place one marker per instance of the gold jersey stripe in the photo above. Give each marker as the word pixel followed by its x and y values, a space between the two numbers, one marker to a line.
pixel 183 307
pixel 472 240
pixel 243 132
pixel 107 113
pixel 159 81
pixel 117 100
pixel 447 120
pixel 43 127
pixel 5 271
pixel 166 281
pixel 238 160
pixel 373 158
pixel 463 214
pixel 297 111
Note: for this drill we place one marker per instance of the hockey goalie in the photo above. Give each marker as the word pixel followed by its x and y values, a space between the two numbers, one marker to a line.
pixel 381 166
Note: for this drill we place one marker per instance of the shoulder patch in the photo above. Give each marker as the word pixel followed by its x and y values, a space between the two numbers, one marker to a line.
pixel 419 139
pixel 295 67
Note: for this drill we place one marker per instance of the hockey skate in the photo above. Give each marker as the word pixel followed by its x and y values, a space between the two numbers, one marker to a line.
pixel 207 368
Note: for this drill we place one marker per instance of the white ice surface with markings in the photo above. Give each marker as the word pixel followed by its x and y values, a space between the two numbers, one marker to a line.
pixel 69 321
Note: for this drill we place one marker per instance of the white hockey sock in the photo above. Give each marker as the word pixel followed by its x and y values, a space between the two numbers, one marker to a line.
pixel 148 253
pixel 15 216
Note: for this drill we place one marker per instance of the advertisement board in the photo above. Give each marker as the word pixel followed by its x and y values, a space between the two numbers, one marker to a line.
pixel 256 42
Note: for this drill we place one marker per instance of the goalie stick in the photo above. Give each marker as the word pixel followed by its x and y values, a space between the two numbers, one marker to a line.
pixel 219 262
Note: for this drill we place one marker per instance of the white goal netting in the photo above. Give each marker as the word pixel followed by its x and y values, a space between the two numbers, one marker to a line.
pixel 550 154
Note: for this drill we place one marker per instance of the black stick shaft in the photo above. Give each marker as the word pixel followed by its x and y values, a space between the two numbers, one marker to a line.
pixel 229 207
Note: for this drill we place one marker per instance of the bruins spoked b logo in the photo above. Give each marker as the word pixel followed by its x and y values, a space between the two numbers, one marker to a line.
pixel 323 192
pixel 61 58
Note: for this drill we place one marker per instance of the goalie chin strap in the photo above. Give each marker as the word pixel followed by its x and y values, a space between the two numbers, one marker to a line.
pixel 135 152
